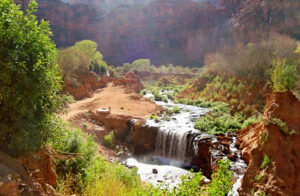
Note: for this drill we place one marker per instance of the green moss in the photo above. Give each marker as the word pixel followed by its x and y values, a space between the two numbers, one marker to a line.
pixel 266 161
pixel 259 176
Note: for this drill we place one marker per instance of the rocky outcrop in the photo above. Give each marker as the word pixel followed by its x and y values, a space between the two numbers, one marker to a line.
pixel 203 160
pixel 131 82
pixel 86 86
pixel 281 145
pixel 143 137
pixel 34 176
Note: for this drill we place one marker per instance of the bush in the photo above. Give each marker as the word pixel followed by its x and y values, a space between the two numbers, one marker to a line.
pixel 284 76
pixel 176 110
pixel 109 139
pixel 88 173
pixel 221 180
pixel 29 79
pixel 157 96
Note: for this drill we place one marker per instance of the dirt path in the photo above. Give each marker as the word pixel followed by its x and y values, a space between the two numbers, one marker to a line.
pixel 117 99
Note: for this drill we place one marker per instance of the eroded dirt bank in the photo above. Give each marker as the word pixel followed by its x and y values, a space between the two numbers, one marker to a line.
pixel 280 144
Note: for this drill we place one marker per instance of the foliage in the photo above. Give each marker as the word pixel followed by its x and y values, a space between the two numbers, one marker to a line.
pixel 221 180
pixel 157 96
pixel 176 110
pixel 284 76
pixel 87 172
pixel 220 119
pixel 217 122
pixel 281 124
pixel 109 139
pixel 29 79
pixel 254 60
pixel 154 117
pixel 80 58
pixel 259 176
pixel 266 161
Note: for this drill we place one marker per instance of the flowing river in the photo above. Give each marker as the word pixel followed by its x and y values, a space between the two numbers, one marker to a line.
pixel 176 145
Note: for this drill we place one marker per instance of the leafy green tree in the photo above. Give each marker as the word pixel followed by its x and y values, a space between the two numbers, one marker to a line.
pixel 284 76
pixel 29 79
pixel 80 58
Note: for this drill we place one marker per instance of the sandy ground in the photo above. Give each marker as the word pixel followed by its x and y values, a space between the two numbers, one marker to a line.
pixel 117 99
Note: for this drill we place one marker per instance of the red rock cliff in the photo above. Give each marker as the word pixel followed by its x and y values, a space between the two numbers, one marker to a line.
pixel 281 175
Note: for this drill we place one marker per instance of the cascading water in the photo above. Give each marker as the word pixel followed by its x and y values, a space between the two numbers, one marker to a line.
pixel 175 137
pixel 176 144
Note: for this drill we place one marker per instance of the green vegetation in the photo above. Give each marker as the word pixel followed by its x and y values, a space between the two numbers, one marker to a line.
pixel 255 60
pixel 259 176
pixel 79 59
pixel 154 117
pixel 109 139
pixel 266 161
pixel 176 110
pixel 284 76
pixel 220 119
pixel 221 180
pixel 144 65
pixel 158 97
pixel 191 185
pixel 264 137
pixel 87 172
pixel 282 125
pixel 29 80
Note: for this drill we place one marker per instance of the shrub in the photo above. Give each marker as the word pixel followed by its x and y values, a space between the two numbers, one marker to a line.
pixel 165 100
pixel 218 122
pixel 157 96
pixel 29 79
pixel 143 92
pixel 284 76
pixel 109 139
pixel 221 180
pixel 87 173
pixel 176 110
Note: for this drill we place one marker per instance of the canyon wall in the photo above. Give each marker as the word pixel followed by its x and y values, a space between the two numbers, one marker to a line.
pixel 167 31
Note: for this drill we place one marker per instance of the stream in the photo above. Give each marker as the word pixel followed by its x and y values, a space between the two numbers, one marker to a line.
pixel 176 145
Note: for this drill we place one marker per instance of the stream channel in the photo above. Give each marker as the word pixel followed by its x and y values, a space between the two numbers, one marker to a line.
pixel 176 145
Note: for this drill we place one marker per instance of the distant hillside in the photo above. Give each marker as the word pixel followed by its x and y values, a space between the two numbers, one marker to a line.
pixel 167 31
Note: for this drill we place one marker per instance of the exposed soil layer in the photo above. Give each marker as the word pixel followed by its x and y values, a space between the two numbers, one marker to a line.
pixel 281 175
pixel 113 97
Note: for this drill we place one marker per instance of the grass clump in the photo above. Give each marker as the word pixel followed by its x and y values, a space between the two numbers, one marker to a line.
pixel 154 117
pixel 266 161
pixel 176 110
pixel 157 96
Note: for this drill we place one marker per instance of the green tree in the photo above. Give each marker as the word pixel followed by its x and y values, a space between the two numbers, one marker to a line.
pixel 29 79
pixel 284 76
pixel 80 58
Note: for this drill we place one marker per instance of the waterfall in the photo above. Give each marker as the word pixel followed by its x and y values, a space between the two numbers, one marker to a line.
pixel 107 72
